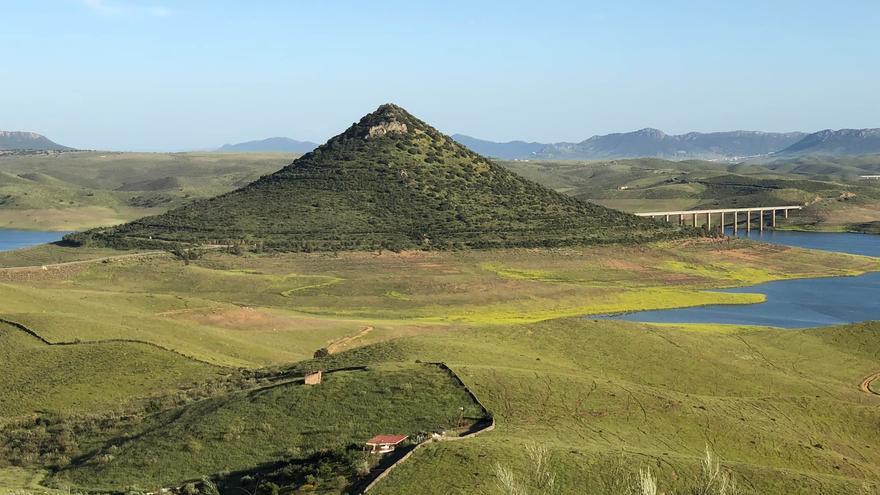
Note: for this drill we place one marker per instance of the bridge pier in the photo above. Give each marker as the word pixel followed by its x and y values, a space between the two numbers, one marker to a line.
pixel 693 217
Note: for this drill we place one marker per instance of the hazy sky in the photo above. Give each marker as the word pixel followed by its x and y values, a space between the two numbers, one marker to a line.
pixel 163 74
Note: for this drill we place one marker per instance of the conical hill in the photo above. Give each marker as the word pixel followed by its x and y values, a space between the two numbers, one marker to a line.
pixel 389 181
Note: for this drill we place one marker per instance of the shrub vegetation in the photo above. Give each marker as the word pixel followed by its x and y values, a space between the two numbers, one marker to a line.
pixel 388 182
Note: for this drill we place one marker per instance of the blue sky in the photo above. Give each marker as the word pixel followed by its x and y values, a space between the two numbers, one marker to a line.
pixel 165 75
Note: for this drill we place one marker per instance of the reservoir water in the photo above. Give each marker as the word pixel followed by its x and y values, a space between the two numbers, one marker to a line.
pixel 17 239
pixel 800 303
pixel 864 244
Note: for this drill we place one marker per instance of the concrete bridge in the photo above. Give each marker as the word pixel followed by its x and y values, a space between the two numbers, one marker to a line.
pixel 732 213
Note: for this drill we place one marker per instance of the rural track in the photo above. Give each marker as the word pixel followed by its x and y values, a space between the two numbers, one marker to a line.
pixel 82 262
pixel 142 254
pixel 865 386
pixel 340 343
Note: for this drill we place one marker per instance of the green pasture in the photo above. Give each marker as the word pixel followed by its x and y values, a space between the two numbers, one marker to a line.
pixel 781 408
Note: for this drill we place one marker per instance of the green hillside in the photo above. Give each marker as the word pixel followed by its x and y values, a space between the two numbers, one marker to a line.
pixel 780 407
pixel 834 196
pixel 389 181
pixel 84 189
pixel 95 377
pixel 81 190
pixel 251 427
pixel 109 408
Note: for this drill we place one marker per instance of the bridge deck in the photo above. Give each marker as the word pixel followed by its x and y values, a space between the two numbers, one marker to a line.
pixel 719 210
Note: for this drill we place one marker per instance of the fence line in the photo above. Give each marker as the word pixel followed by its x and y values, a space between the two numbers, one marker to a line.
pixel 489 427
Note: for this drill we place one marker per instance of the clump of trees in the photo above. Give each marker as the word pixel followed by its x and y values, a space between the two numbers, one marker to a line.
pixel 187 254
pixel 332 471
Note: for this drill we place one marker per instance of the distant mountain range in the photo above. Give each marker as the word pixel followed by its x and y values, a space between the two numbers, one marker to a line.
pixel 511 150
pixel 653 143
pixel 271 144
pixel 842 142
pixel 16 140
pixel 646 143
pixel 735 145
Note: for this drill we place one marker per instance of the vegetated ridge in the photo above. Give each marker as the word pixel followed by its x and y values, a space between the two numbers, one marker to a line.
pixel 834 196
pixel 16 140
pixel 389 181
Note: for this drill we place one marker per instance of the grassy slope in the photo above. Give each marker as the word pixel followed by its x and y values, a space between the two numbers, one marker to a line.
pixel 78 190
pixel 79 379
pixel 827 167
pixel 50 254
pixel 245 429
pixel 409 188
pixel 837 199
pixel 254 311
pixel 780 407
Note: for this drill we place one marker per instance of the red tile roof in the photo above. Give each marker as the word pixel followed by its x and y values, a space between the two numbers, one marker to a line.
pixel 386 439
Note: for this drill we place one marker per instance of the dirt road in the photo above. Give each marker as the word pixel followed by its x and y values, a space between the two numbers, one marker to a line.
pixel 340 344
pixel 865 386
pixel 81 262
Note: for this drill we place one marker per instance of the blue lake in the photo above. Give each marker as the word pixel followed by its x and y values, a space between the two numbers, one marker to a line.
pixel 864 244
pixel 801 303
pixel 17 239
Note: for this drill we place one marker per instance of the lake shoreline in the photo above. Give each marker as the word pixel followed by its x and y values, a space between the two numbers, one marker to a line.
pixel 805 302
pixel 13 239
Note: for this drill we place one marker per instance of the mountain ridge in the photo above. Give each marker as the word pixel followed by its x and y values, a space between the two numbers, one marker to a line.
pixel 272 144
pixel 29 141
pixel 840 142
pixel 643 143
pixel 510 150
pixel 388 181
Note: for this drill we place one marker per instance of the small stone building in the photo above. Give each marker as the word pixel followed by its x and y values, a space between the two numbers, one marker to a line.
pixel 313 378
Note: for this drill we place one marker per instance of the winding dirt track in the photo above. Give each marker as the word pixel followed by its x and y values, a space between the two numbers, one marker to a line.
pixel 340 344
pixel 82 262
pixel 865 386
pixel 141 254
